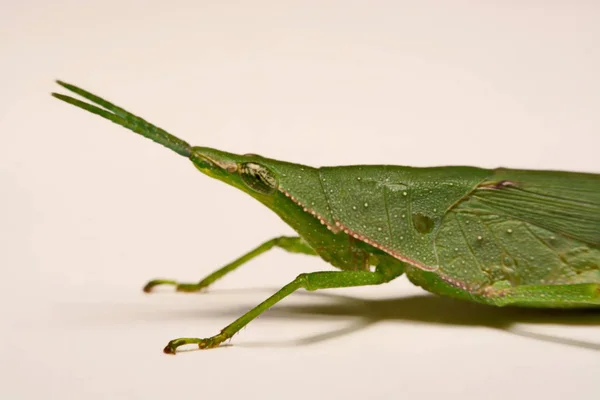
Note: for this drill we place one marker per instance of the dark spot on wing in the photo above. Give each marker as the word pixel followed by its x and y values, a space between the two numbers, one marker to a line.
pixel 422 223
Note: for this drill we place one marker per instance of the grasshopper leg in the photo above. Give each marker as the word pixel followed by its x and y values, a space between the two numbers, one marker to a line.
pixel 574 295
pixel 309 281
pixel 292 244
pixel 556 296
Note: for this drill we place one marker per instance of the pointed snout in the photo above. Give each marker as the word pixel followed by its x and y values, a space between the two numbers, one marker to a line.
pixel 206 157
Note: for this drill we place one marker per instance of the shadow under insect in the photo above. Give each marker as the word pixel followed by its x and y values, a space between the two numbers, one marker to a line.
pixel 425 309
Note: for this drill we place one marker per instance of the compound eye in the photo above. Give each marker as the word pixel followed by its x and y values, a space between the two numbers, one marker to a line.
pixel 258 178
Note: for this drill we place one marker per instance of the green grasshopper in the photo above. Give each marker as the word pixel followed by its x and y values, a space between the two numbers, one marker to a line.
pixel 499 237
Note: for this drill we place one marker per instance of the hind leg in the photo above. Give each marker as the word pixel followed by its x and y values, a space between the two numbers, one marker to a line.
pixel 548 296
pixel 579 295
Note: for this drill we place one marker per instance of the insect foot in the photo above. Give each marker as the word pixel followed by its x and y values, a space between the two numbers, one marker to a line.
pixel 208 343
pixel 150 285
pixel 179 287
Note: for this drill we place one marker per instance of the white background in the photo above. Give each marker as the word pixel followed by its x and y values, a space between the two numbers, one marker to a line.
pixel 90 211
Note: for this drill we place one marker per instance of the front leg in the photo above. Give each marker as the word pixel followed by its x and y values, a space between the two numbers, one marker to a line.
pixel 311 281
pixel 293 244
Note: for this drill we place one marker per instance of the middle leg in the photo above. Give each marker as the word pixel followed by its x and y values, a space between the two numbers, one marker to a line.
pixel 385 272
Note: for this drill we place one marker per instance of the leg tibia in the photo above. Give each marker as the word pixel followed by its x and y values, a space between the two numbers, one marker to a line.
pixel 292 244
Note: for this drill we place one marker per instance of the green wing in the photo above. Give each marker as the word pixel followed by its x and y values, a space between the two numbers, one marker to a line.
pixel 562 202
pixel 523 228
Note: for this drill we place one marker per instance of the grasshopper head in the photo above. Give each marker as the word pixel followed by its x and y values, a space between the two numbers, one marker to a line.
pixel 251 173
pixel 292 191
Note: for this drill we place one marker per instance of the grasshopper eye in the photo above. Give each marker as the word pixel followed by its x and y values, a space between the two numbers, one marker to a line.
pixel 258 178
